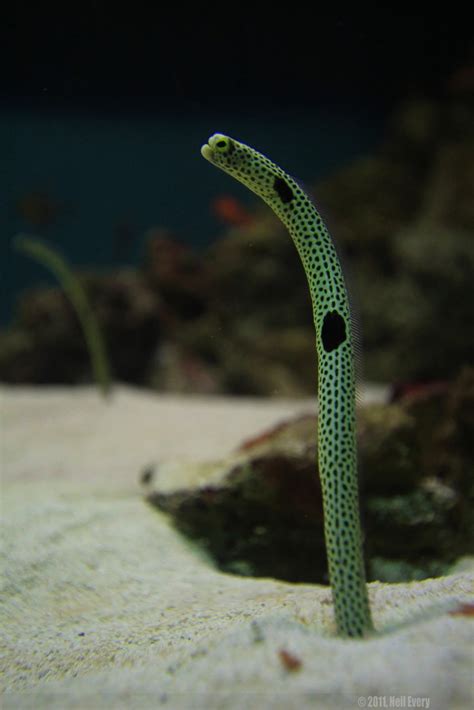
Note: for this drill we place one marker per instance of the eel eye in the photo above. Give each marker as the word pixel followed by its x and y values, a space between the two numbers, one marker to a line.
pixel 223 145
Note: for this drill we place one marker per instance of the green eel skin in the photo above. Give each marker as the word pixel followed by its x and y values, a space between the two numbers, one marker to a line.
pixel 337 452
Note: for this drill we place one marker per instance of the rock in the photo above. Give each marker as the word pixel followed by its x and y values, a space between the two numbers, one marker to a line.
pixel 259 511
pixel 177 274
pixel 46 345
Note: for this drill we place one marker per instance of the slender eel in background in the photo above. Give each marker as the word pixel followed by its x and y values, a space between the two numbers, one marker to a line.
pixel 337 452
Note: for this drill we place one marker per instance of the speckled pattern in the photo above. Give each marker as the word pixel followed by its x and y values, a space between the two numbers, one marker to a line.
pixel 336 390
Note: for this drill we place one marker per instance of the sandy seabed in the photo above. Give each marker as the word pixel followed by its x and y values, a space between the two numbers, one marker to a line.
pixel 104 605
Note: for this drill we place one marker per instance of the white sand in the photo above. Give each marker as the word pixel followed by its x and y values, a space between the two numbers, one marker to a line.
pixel 104 605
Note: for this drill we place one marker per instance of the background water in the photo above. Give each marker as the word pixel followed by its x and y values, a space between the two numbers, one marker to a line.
pixel 103 111
pixel 111 177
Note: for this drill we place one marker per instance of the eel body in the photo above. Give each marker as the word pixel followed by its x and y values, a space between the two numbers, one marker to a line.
pixel 337 452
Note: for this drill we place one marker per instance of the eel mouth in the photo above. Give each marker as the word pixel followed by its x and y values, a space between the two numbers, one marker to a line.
pixel 207 152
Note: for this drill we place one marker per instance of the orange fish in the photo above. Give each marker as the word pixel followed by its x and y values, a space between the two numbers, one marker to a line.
pixel 229 210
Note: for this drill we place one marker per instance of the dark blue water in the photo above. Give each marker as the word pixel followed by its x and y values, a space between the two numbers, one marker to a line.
pixel 110 179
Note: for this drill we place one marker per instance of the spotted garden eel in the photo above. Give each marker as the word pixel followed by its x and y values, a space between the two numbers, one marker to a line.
pixel 337 453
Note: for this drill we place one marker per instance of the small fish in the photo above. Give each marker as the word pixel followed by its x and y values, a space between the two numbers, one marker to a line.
pixel 228 209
